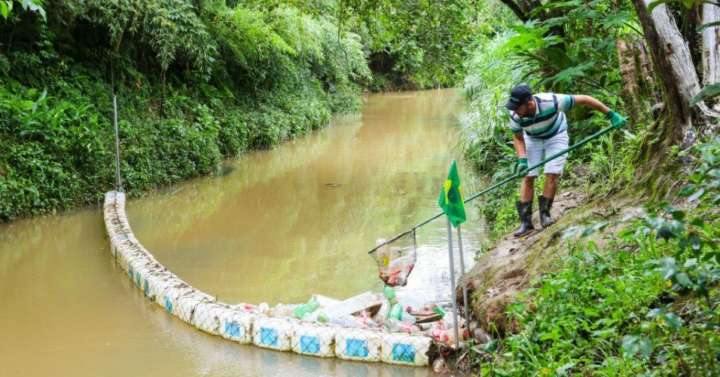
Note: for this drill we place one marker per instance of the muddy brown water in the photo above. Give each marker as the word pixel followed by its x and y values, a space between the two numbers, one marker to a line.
pixel 281 225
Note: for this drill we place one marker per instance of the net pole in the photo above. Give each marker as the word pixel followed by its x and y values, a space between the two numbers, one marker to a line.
pixel 452 286
pixel 118 180
pixel 462 272
pixel 507 180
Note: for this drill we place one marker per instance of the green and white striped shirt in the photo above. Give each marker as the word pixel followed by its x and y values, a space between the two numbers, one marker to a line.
pixel 549 118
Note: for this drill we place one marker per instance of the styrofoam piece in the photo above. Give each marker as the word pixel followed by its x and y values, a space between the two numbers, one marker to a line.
pixel 353 305
pixel 357 344
pixel 237 325
pixel 312 339
pixel 405 349
pixel 274 333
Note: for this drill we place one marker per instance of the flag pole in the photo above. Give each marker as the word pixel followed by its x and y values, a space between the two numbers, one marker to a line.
pixel 452 286
pixel 462 273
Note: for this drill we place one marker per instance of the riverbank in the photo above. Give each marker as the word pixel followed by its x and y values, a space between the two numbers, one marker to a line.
pixel 619 285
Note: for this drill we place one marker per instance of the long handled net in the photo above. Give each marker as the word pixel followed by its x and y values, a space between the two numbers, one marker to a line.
pixel 396 259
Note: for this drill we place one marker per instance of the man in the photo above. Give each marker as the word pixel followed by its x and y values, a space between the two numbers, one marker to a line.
pixel 539 126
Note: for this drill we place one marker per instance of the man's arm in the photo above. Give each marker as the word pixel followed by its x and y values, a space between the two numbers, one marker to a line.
pixel 519 144
pixel 591 102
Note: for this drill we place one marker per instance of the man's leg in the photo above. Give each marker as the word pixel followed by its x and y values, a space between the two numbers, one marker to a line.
pixel 553 169
pixel 524 206
pixel 526 189
pixel 550 187
pixel 534 150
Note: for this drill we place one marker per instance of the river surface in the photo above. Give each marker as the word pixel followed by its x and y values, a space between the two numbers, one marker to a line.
pixel 278 226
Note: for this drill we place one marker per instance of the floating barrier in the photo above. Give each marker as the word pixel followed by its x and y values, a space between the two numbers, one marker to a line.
pixel 246 324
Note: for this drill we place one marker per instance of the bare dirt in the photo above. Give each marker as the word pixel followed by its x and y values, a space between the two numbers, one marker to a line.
pixel 507 269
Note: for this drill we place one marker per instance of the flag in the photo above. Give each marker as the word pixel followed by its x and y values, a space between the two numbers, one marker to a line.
pixel 451 199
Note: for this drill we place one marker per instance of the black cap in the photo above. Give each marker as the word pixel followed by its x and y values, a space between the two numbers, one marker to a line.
pixel 518 96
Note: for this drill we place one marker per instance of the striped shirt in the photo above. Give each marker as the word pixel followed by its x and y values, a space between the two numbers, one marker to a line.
pixel 549 118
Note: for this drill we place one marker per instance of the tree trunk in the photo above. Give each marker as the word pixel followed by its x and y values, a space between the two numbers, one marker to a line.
pixel 630 76
pixel 674 65
pixel 711 46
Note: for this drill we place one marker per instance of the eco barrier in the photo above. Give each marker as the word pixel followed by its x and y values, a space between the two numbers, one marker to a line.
pixel 243 323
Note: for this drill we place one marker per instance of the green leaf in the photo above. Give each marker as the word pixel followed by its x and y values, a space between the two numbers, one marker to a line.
pixel 646 347
pixel 708 25
pixel 4 11
pixel 707 92
pixel 684 280
pixel 655 4
pixel 491 346
pixel 673 320
pixel 668 268
pixel 632 345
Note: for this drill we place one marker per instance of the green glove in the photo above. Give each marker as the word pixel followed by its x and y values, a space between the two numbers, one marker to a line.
pixel 521 165
pixel 616 119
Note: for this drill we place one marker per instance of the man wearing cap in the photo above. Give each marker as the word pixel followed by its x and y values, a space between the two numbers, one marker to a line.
pixel 540 129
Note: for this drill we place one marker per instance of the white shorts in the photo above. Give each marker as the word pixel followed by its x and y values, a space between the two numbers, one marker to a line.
pixel 537 149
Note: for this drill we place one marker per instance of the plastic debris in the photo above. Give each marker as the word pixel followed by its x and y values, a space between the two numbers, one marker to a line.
pixel 396 262
pixel 306 309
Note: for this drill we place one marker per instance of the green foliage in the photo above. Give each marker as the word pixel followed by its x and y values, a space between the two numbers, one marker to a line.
pixel 33 6
pixel 642 303
pixel 485 125
pixel 708 92
pixel 171 29
pixel 227 79
pixel 570 46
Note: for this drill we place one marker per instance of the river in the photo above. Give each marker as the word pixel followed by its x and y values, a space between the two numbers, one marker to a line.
pixel 277 226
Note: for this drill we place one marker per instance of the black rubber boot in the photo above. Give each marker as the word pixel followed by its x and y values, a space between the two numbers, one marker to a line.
pixel 545 204
pixel 525 215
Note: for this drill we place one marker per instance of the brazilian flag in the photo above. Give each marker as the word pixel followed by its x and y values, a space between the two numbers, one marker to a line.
pixel 451 199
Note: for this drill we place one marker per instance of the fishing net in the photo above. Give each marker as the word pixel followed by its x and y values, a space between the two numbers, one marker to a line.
pixel 396 259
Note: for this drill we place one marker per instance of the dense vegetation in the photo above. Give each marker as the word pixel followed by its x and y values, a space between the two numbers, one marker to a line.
pixel 640 301
pixel 196 82
pixel 633 297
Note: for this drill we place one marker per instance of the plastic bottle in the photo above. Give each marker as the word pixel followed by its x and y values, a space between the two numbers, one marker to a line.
pixel 304 309
pixel 396 312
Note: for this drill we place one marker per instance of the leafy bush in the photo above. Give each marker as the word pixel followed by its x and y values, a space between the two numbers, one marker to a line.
pixel 644 303
pixel 196 82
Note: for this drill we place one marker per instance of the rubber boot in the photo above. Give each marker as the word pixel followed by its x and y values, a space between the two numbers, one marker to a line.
pixel 545 204
pixel 525 215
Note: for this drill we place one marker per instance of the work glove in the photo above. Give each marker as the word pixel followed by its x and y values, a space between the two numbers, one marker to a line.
pixel 616 119
pixel 521 166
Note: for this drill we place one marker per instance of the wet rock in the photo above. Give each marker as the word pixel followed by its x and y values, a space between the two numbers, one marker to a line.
pixel 480 336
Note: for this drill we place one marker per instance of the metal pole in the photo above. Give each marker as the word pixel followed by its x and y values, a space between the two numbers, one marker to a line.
pixel 462 273
pixel 118 181
pixel 452 286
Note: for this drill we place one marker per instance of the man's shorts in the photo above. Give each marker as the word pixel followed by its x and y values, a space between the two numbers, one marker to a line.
pixel 537 149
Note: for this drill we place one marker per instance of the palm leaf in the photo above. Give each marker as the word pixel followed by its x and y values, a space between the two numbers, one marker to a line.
pixel 707 92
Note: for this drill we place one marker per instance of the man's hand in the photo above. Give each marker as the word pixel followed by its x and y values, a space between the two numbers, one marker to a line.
pixel 521 166
pixel 616 119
